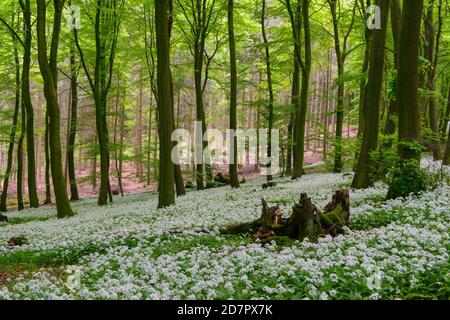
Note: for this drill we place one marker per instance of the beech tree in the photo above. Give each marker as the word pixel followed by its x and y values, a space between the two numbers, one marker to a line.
pixel 233 95
pixel 106 30
pixel 48 67
pixel 166 172
pixel 409 137
pixel 372 101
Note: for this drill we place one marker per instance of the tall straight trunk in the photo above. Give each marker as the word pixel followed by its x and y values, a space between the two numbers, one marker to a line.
pixel 200 112
pixel 106 30
pixel 233 96
pixel 20 158
pixel 327 107
pixel 432 53
pixel 166 172
pixel 94 163
pixel 178 176
pixel 446 159
pixel 49 76
pixel 270 86
pixel 121 147
pixel 363 81
pixel 138 130
pixel 72 128
pixel 149 142
pixel 300 116
pixel 396 15
pixel 340 50
pixel 12 135
pixel 295 90
pixel 446 118
pixel 372 100
pixel 48 193
pixel 407 87
pixel 26 101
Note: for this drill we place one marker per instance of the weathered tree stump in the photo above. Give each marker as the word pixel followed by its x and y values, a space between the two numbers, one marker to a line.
pixel 306 220
pixel 17 241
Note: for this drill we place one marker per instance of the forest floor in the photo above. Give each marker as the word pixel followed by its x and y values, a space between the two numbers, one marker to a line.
pixel 131 250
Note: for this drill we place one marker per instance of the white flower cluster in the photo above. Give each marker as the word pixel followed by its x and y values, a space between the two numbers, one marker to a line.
pixel 130 250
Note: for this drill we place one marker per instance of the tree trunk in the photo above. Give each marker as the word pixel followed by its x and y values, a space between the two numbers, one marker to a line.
pixel 446 118
pixel 233 97
pixel 446 160
pixel 26 101
pixel 431 49
pixel 396 14
pixel 372 100
pixel 409 147
pixel 300 116
pixel 149 142
pixel 12 135
pixel 73 128
pixel 166 171
pixel 409 113
pixel 48 194
pixel 20 158
pixel 49 77
pixel 270 87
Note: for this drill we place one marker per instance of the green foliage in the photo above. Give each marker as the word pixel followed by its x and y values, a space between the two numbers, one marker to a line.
pixel 407 178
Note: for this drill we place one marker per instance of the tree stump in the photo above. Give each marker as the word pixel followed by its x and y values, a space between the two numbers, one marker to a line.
pixel 17 241
pixel 269 184
pixel 306 220
pixel 3 218
pixel 220 178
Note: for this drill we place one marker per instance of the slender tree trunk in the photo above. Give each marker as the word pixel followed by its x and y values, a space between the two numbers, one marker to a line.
pixel 166 171
pixel 149 142
pixel 121 147
pixel 432 53
pixel 327 108
pixel 446 160
pixel 49 77
pixel 72 128
pixel 48 193
pixel 295 90
pixel 12 135
pixel 396 15
pixel 233 99
pixel 26 101
pixel 138 131
pixel 20 158
pixel 372 100
pixel 270 87
pixel 340 57
pixel 446 118
pixel 300 115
